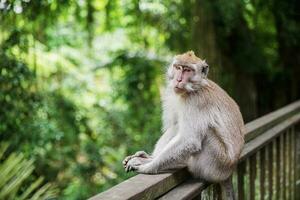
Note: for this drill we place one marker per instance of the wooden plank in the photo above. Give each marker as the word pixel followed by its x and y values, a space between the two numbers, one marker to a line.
pixel 257 126
pixel 262 172
pixel 270 169
pixel 254 145
pixel 187 190
pixel 144 186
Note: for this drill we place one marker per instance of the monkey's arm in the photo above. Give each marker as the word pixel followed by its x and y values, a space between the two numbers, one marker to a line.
pixel 160 145
pixel 172 156
pixel 170 125
pixel 164 140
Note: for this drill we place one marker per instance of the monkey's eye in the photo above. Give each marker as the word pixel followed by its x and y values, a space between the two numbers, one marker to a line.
pixel 177 67
pixel 188 69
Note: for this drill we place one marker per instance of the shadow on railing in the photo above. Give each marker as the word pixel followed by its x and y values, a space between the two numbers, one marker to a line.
pixel 268 167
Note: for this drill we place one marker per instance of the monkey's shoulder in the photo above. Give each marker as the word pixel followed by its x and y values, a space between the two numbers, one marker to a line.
pixel 220 98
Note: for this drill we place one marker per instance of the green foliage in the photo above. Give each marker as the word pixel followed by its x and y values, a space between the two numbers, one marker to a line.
pixel 17 98
pixel 138 74
pixel 17 181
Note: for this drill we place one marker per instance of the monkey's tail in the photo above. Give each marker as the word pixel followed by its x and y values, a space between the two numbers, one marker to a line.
pixel 227 189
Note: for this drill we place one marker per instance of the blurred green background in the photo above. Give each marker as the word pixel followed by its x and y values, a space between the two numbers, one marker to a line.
pixel 80 80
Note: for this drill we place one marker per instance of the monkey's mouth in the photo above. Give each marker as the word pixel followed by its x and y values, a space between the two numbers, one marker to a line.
pixel 179 86
pixel 178 89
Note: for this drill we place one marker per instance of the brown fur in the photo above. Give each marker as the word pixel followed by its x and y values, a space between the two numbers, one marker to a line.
pixel 188 57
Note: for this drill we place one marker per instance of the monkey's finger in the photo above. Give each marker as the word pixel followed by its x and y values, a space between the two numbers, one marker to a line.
pixel 142 154
pixel 129 157
pixel 125 161
pixel 126 169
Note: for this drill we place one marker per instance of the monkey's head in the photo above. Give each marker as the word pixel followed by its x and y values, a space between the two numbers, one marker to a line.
pixel 187 73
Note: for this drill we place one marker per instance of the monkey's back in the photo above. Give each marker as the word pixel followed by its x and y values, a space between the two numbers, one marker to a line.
pixel 224 138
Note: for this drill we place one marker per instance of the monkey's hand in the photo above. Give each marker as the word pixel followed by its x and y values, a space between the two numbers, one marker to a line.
pixel 135 162
pixel 144 168
pixel 141 154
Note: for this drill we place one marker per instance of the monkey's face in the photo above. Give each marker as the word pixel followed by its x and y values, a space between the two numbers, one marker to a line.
pixel 187 73
pixel 183 75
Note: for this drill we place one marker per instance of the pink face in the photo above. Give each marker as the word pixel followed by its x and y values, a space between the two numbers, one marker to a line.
pixel 182 76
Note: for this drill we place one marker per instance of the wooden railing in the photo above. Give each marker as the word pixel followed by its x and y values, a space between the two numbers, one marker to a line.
pixel 268 168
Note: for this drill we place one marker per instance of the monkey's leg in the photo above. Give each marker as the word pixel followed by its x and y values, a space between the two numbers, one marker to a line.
pixel 227 189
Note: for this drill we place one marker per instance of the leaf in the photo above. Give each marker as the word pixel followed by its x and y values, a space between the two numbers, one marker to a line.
pixel 15 170
pixel 31 188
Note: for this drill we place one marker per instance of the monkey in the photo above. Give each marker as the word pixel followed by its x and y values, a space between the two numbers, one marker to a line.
pixel 203 128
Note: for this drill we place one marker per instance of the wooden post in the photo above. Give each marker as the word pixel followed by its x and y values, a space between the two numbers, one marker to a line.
pixel 263 172
pixel 270 169
pixel 297 156
pixel 289 166
pixel 241 184
pixel 252 176
pixel 278 170
pixel 284 165
pixel 217 192
pixel 293 162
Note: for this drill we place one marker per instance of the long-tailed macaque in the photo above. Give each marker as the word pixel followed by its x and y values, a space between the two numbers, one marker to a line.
pixel 203 128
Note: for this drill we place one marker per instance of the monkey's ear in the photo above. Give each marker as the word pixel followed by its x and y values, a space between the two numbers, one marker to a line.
pixel 205 69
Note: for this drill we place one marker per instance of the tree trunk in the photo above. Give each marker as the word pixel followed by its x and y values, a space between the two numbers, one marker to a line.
pixel 204 37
